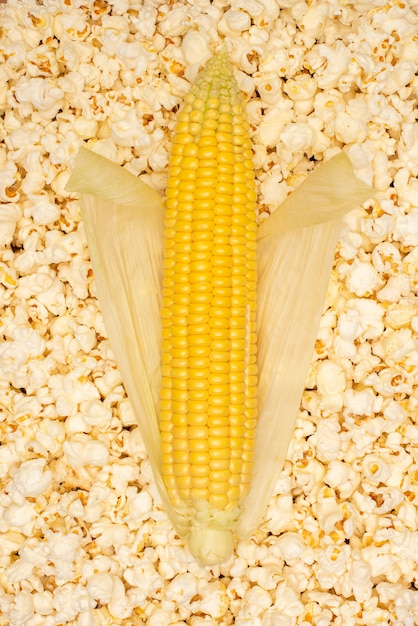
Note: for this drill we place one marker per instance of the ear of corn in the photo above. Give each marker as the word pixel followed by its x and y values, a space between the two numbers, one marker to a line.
pixel 209 372
pixel 123 219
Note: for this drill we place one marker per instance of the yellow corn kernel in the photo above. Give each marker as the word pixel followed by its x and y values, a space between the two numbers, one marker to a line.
pixel 208 313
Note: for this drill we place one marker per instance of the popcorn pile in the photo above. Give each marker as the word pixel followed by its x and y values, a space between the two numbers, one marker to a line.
pixel 84 539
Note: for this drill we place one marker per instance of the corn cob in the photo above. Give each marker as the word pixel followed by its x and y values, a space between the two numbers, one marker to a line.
pixel 208 399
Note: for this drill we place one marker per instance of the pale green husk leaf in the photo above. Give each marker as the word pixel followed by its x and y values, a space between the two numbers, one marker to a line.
pixel 295 256
pixel 123 221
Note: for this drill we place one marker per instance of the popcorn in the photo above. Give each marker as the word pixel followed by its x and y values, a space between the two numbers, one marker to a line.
pixel 332 564
pixel 349 129
pixel 375 469
pixel 301 88
pixel 69 600
pixel 214 602
pixel 291 547
pixel 182 589
pixel 342 476
pixel 43 602
pixel 330 382
pixel 146 21
pixel 9 183
pixel 237 20
pixel 362 402
pixel 80 450
pixel 195 47
pixel 336 58
pixel 297 137
pixel 108 589
pixel 32 479
pixel 20 516
pixel 39 94
pixel 360 579
pixel 79 505
pixel 145 580
pixel 174 21
pixel 361 278
pixel 257 600
pixel 327 438
pixel 406 228
pixel 270 88
pixel 22 610
pixel 271 125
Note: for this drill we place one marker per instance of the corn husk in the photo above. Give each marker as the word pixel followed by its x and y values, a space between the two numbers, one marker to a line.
pixel 123 219
pixel 295 256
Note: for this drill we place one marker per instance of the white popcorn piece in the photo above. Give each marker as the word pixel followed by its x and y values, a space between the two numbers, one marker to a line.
pixel 375 469
pixel 20 516
pixel 213 600
pixel 32 479
pixel 292 547
pixel 175 21
pixel 362 402
pixel 69 600
pixel 349 129
pixel 195 47
pixel 73 26
pixel 279 513
pixel 269 86
pixel 360 579
pixel 288 601
pixel 256 601
pixel 160 617
pixel 80 450
pixel 144 579
pixel 337 59
pixel 342 476
pixel 9 214
pixel 62 550
pixel 407 148
pixel 332 564
pixel 327 437
pixel 406 228
pixel 362 278
pixel 182 589
pixel 107 534
pixel 146 22
pixel 40 95
pixel 96 414
pixel 271 125
pixel 297 137
pixel 301 88
pixel 237 21
pixel 9 183
pixel 273 190
pixel 109 589
pixel 22 610
pixel 43 603
pixel 266 577
pixel 330 380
